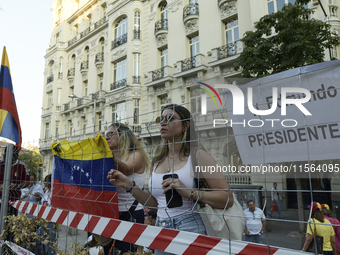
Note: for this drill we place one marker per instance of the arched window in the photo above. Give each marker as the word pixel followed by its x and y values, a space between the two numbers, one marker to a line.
pixel 164 10
pixel 87 56
pixel 60 74
pixel 136 26
pixel 121 27
pixel 51 68
pixel 102 44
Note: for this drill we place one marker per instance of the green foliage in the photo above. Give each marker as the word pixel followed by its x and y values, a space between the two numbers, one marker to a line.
pixel 32 159
pixel 284 40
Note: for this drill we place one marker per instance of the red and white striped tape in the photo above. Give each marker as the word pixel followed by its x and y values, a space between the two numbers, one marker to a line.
pixel 168 240
pixel 16 248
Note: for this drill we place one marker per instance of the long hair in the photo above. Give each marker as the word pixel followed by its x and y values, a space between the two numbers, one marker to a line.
pixel 318 215
pixel 189 138
pixel 128 142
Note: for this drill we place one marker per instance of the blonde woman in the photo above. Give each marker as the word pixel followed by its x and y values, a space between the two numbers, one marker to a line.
pixel 131 160
pixel 175 197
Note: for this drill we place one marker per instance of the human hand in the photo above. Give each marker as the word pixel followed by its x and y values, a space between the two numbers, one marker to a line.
pixel 118 179
pixel 175 183
pixel 247 233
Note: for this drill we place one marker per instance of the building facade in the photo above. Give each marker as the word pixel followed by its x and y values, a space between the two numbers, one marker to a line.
pixel 122 60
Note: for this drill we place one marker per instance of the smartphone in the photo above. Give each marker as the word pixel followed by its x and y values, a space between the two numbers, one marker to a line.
pixel 173 198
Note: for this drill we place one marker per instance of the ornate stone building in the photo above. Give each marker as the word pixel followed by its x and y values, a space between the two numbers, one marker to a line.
pixel 121 60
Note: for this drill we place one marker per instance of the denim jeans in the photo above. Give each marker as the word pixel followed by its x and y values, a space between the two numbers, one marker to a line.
pixel 254 238
pixel 278 208
pixel 190 223
pixel 50 233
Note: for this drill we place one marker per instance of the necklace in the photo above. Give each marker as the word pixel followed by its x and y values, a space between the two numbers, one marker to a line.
pixel 174 159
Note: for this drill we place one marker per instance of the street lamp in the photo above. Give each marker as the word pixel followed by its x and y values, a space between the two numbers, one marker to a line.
pixel 94 107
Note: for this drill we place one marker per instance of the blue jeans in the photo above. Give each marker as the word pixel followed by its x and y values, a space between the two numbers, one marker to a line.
pixel 191 223
pixel 49 233
pixel 254 238
pixel 278 208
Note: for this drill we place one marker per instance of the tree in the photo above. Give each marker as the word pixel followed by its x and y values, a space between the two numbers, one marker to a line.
pixel 32 159
pixel 284 40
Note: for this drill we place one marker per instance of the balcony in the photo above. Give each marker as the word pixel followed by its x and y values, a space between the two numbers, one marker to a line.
pixel 119 41
pixel 118 84
pixel 84 66
pixel 99 57
pixel 100 22
pixel 191 66
pixel 136 34
pixel 160 76
pixel 225 56
pixel 67 106
pixel 72 41
pixel 228 9
pixel 85 32
pixel 161 27
pixel 71 73
pixel 190 11
pixel 50 78
pixel 136 79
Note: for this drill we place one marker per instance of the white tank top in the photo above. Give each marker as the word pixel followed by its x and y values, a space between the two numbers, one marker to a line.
pixel 125 199
pixel 155 188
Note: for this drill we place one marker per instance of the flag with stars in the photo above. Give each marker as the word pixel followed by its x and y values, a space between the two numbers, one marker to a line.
pixel 79 177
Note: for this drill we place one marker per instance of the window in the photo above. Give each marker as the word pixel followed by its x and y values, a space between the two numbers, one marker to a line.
pixel 194 46
pixel 136 64
pixel 89 19
pixel 51 68
pixel 119 112
pixel 57 37
pixel 60 74
pixel 100 77
pixel 277 5
pixel 164 57
pixel 231 29
pixel 57 129
pixel 120 70
pixel 70 126
pixel 73 61
pixel 47 130
pixel 121 28
pixel 49 100
pixel 59 96
pixel 85 88
pixel 195 102
pixel 102 44
pixel 164 10
pixel 163 101
pixel 137 21
pixel 136 111
pixel 83 123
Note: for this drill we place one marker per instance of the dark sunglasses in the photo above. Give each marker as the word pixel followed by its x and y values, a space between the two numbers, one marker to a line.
pixel 167 118
pixel 110 134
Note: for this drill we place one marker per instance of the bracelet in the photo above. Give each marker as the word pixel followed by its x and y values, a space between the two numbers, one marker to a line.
pixel 201 199
pixel 192 195
pixel 133 185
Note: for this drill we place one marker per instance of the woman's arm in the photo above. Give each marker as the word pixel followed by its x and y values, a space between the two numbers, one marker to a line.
pixel 134 164
pixel 333 243
pixel 120 180
pixel 308 241
pixel 219 195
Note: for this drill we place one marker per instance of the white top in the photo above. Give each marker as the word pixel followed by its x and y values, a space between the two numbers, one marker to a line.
pixel 254 220
pixel 125 199
pixel 35 188
pixel 46 199
pixel 275 194
pixel 156 189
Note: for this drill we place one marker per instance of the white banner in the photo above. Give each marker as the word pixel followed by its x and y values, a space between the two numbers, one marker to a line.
pixel 295 136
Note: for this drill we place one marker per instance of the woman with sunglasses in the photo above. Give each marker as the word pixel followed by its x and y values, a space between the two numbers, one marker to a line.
pixel 131 160
pixel 175 159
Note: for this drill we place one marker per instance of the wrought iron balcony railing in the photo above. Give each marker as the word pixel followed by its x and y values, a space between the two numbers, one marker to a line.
pixel 188 63
pixel 100 22
pixel 84 65
pixel 119 41
pixel 50 78
pixel 80 101
pixel 136 79
pixel 190 9
pixel 72 41
pixel 95 96
pixel 60 75
pixel 136 33
pixel 227 50
pixel 99 57
pixel 118 84
pixel 157 74
pixel 161 25
pixel 71 72
pixel 67 106
pixel 85 32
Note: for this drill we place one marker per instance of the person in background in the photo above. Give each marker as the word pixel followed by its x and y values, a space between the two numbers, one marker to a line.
pixel 46 232
pixel 275 200
pixel 320 226
pixel 256 223
pixel 327 214
pixel 19 178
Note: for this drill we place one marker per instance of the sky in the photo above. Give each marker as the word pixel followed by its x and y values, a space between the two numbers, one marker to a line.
pixel 25 31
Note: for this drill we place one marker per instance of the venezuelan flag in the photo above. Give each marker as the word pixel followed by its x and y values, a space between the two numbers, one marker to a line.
pixel 9 118
pixel 79 177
